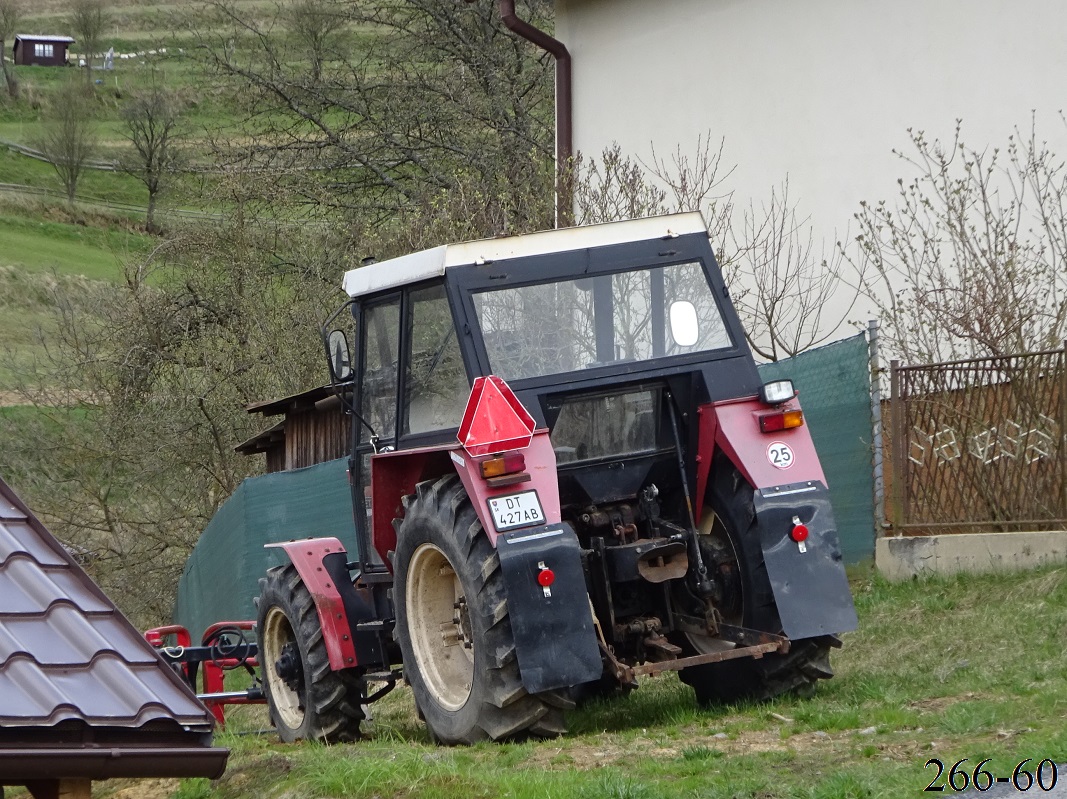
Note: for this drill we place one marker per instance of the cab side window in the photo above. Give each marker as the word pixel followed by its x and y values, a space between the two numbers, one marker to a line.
pixel 436 386
pixel 381 347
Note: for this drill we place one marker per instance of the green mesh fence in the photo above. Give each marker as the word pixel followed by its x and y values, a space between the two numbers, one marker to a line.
pixel 835 392
pixel 221 577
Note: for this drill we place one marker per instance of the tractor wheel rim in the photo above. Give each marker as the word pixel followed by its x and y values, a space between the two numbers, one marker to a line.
pixel 277 634
pixel 440 627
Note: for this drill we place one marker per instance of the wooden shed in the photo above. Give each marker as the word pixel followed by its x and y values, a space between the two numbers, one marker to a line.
pixel 41 50
pixel 314 429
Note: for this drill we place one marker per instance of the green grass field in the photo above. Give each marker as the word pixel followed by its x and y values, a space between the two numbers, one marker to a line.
pixel 36 245
pixel 967 667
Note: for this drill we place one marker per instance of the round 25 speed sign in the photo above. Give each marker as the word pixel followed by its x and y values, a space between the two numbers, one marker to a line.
pixel 780 455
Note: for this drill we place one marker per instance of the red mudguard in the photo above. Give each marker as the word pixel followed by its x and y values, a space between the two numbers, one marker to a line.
pixel 764 459
pixel 789 489
pixel 307 557
pixel 395 474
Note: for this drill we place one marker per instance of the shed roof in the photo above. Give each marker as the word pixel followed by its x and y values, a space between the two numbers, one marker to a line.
pixel 263 440
pixel 39 37
pixel 305 400
pixel 77 680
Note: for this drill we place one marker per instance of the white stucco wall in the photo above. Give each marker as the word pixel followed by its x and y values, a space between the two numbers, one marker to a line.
pixel 819 90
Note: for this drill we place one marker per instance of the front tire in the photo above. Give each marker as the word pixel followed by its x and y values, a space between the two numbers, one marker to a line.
pixel 306 700
pixel 751 604
pixel 453 626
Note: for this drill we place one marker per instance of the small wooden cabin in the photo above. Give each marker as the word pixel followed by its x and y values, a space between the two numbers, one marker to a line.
pixel 41 51
pixel 314 429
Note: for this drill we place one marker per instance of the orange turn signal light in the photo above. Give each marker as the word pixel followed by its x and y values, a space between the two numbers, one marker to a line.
pixel 501 465
pixel 785 420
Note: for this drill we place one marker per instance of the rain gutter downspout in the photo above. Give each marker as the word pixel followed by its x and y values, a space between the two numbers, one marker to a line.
pixel 564 119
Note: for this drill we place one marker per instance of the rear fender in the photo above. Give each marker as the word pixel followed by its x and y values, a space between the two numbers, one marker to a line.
pixel 322 565
pixel 733 427
pixel 540 466
pixel 555 641
pixel 809 582
pixel 394 475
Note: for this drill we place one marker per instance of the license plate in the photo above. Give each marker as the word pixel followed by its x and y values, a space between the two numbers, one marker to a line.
pixel 516 510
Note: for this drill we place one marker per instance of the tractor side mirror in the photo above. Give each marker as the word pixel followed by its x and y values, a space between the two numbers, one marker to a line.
pixel 685 329
pixel 339 356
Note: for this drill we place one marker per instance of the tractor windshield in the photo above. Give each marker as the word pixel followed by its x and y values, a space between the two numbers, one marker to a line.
pixel 550 328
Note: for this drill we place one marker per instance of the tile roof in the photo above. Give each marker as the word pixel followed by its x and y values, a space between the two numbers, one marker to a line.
pixel 69 657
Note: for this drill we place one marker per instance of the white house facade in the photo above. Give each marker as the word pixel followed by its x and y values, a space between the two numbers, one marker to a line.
pixel 821 91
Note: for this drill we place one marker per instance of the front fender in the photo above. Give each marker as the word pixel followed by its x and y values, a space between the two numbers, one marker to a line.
pixel 322 565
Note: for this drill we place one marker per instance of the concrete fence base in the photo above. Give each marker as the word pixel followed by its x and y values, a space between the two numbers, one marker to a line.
pixel 974 553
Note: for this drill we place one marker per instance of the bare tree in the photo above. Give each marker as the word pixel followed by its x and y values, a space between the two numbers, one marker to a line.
pixel 141 391
pixel 696 183
pixel 151 123
pixel 68 138
pixel 10 17
pixel 316 26
pixel 791 297
pixel 89 19
pixel 443 100
pixel 614 187
pixel 972 258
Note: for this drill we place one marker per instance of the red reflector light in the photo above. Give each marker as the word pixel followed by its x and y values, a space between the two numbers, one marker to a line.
pixel 511 463
pixel 799 533
pixel 546 577
pixel 786 420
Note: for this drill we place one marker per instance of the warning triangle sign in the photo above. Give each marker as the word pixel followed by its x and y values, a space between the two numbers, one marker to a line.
pixel 494 420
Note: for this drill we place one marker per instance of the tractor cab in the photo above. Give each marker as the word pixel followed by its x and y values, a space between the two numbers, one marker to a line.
pixel 605 334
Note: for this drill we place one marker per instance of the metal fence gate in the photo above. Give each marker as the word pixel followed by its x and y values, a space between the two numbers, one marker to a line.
pixel 978 445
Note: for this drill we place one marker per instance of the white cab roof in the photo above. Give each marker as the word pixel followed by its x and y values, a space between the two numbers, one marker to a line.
pixel 422 265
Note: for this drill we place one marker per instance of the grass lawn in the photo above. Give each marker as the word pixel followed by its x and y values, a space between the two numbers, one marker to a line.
pixel 968 667
pixel 35 254
pixel 37 245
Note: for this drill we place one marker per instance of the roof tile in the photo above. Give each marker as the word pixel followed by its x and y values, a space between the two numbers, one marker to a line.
pixel 66 653
pixel 26 587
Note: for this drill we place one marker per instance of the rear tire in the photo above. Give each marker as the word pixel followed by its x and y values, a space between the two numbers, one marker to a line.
pixel 807 661
pixel 305 698
pixel 453 626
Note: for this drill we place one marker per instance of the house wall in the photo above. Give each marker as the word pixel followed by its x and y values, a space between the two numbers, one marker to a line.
pixel 820 91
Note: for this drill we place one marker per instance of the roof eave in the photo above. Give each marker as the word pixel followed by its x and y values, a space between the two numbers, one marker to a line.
pixel 19 765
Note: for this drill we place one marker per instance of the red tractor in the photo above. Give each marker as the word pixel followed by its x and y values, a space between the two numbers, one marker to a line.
pixel 617 496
